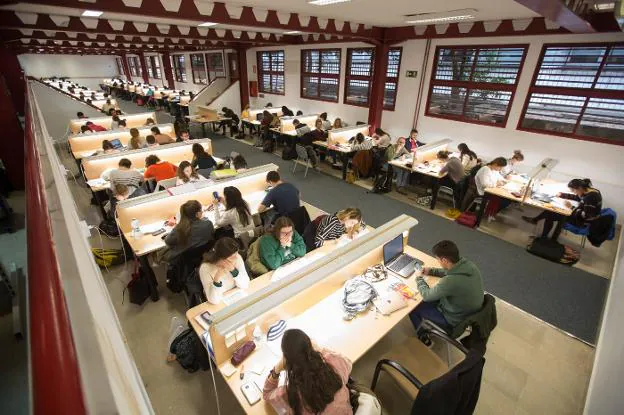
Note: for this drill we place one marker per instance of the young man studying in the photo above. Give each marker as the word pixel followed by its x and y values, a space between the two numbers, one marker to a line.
pixel 284 197
pixel 458 294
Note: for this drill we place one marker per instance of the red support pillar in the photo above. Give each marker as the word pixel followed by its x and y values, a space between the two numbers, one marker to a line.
pixel 124 65
pixel 143 67
pixel 242 75
pixel 166 61
pixel 375 109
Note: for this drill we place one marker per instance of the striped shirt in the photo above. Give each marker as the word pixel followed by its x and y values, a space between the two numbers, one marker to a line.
pixel 129 177
pixel 330 228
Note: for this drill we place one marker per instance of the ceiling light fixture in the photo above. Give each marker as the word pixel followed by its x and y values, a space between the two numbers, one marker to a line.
pixel 92 13
pixel 326 2
pixel 441 19
pixel 207 24
pixel 604 6
pixel 293 32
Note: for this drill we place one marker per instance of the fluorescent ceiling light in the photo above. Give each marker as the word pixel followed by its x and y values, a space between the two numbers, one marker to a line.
pixel 207 24
pixel 326 2
pixel 441 19
pixel 92 13
pixel 604 6
pixel 293 32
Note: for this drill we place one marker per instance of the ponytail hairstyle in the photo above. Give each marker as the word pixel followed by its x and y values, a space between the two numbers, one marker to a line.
pixel 234 200
pixel 498 161
pixel 181 174
pixel 464 150
pixel 223 248
pixel 580 184
pixel 380 132
pixel 188 215
pixel 517 155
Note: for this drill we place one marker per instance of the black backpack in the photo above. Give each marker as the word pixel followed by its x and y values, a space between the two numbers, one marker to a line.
pixel 268 145
pixel 189 351
pixel 383 182
pixel 289 153
pixel 109 227
pixel 553 251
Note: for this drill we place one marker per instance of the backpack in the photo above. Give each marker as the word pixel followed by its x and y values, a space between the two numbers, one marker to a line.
pixel 188 351
pixel 383 183
pixel 468 219
pixel 553 251
pixel 109 227
pixel 108 257
pixel 268 146
pixel 289 153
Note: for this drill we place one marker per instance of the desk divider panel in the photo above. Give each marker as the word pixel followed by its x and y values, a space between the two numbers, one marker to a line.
pixel 207 113
pixel 429 151
pixel 173 153
pixel 286 123
pixel 132 120
pixel 294 294
pixel 342 135
pixel 93 142
pixel 273 110
pixel 161 205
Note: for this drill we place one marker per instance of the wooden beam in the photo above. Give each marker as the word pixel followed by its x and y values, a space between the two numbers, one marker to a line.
pixel 559 13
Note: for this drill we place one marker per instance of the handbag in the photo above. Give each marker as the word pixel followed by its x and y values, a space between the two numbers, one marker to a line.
pixel 467 219
pixel 242 352
pixel 138 287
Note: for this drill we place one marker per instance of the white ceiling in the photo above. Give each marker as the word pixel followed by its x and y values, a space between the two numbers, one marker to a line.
pixel 388 13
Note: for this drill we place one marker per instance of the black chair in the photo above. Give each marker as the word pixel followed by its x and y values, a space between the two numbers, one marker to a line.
pixel 436 389
pixel 300 218
pixel 194 290
pixel 309 234
pixel 181 267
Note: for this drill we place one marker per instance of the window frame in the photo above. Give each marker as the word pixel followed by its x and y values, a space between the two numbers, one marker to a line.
pixel 320 74
pixel 261 72
pixel 210 69
pixel 179 68
pixel 359 77
pixel 395 80
pixel 586 93
pixel 148 67
pixel 133 62
pixel 120 68
pixel 193 70
pixel 470 85
pixel 156 67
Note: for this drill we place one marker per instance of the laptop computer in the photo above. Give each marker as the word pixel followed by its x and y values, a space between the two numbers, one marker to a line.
pixel 116 143
pixel 396 261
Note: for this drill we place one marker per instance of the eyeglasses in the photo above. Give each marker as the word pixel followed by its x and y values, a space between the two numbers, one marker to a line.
pixel 286 233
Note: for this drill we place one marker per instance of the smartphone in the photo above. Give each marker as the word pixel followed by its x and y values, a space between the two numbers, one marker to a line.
pixel 252 393
pixel 158 232
pixel 215 195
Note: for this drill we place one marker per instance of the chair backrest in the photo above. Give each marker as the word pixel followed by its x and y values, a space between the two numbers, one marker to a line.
pixel 300 218
pixel 302 153
pixel 482 322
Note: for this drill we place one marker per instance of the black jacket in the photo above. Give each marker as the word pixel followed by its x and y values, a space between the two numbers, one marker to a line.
pixel 589 206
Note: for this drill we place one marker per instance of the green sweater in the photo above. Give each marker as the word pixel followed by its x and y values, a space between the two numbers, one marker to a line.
pixel 273 255
pixel 459 292
pixel 392 154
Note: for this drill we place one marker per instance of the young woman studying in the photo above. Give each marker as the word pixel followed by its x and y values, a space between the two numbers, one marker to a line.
pixel 222 270
pixel 467 157
pixel 202 161
pixel 517 158
pixel 360 142
pixel 395 151
pixel 282 245
pixel 190 232
pixel 316 381
pixel 347 221
pixel 489 175
pixel 187 174
pixel 454 173
pixel 589 207
pixel 381 138
pixel 236 214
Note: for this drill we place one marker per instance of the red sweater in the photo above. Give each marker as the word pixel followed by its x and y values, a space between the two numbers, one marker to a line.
pixel 161 171
pixel 95 127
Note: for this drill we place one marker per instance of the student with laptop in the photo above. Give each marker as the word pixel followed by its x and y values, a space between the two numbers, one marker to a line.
pixel 458 293
pixel 397 261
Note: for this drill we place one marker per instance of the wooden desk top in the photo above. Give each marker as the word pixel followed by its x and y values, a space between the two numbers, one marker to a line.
pixel 322 321
pixel 197 118
pixel 507 194
pixel 432 169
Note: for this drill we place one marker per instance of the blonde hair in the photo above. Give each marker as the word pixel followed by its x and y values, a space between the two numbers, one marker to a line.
pixel 517 155
pixel 350 213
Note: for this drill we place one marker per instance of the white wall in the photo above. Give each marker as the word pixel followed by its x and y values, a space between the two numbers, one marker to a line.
pixel 88 70
pixel 230 98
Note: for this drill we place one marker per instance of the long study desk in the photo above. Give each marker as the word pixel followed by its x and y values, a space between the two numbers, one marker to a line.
pixel 317 311
pixel 132 120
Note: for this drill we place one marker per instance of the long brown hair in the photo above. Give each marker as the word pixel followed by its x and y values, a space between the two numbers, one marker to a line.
pixel 223 248
pixel 311 382
pixel 181 174
pixel 188 215
pixel 282 222
pixel 234 200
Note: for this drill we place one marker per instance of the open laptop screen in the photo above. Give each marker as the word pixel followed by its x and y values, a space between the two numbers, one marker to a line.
pixel 393 249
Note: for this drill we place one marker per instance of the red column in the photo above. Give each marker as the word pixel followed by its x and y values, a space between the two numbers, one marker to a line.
pixel 166 61
pixel 242 75
pixel 143 68
pixel 375 109
pixel 124 65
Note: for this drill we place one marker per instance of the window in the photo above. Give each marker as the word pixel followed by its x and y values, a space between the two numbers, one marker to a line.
pixel 149 67
pixel 198 68
pixel 392 78
pixel 216 69
pixel 320 74
pixel 179 68
pixel 156 72
pixel 119 66
pixel 475 83
pixel 359 77
pixel 133 65
pixel 271 72
pixel 578 92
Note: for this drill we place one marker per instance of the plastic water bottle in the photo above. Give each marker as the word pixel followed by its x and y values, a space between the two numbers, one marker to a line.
pixel 136 227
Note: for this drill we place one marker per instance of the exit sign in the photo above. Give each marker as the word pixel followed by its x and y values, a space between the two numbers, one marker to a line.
pixel 411 74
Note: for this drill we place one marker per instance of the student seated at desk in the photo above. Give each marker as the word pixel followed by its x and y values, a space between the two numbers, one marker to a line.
pixel 160 137
pixel 381 138
pixel 338 124
pixel 360 142
pixel 412 143
pixel 159 170
pixel 184 136
pixel 80 115
pixel 316 381
pixel 187 174
pixel 589 207
pixel 454 171
pixel 115 122
pixel 126 175
pixel 149 121
pixel 94 127
pixel 300 128
pixel 326 124
pixel 134 135
pixel 396 151
pixel 190 232
pixel 284 197
pixel 150 141
pixel 107 148
pixel 122 192
pixel 458 294
pixel 467 157
pixel 222 270
pixel 346 221
pixel 202 160
pixel 107 106
pixel 282 245
pixel 487 176
pixel 245 112
pixel 85 130
pixel 236 214
pixel 517 158
pixel 286 112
